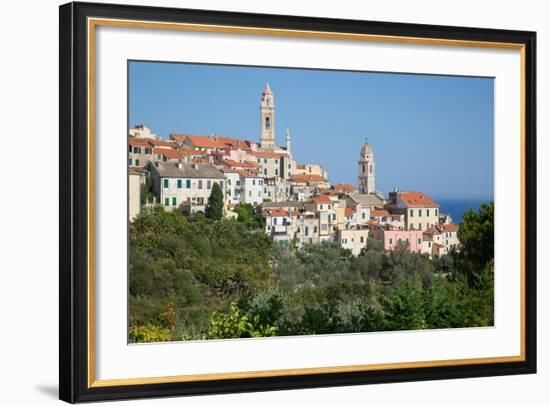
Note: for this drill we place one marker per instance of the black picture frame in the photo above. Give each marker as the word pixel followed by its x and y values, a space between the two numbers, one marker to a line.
pixel 73 256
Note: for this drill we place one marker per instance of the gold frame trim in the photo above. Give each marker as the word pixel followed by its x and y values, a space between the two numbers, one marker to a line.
pixel 94 22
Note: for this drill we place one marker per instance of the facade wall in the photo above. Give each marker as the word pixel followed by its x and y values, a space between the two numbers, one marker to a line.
pixel 390 238
pixel 354 239
pixel 421 218
pixel 134 195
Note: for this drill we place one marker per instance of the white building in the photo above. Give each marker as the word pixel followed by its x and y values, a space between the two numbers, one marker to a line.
pixel 140 131
pixel 186 185
pixel 354 238
pixel 134 193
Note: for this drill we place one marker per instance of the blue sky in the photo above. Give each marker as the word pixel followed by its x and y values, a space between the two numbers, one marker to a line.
pixel 429 133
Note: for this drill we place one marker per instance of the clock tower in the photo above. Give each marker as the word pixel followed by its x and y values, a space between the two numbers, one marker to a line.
pixel 267 119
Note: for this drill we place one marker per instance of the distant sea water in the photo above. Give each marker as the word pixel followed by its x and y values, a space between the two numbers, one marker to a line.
pixel 457 207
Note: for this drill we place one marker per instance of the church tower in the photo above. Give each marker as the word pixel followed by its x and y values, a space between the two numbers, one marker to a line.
pixel 267 119
pixel 366 170
pixel 288 142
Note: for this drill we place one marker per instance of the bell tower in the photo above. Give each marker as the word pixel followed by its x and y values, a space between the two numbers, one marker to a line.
pixel 267 119
pixel 366 170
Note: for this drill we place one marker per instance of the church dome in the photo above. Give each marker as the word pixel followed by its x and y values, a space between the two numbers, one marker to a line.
pixel 366 150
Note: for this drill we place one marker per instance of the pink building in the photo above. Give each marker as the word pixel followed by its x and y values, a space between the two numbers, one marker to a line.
pixel 391 236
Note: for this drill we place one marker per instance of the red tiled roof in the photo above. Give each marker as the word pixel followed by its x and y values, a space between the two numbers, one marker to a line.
pixel 348 212
pixel 168 153
pixel 450 227
pixel 344 187
pixel 380 213
pixel 231 162
pixel 277 212
pixel 321 199
pixel 138 142
pixel 307 178
pixel 161 143
pixel 417 199
pixel 243 172
pixel 301 167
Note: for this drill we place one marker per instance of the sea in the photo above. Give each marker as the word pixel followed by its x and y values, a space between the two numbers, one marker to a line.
pixel 457 207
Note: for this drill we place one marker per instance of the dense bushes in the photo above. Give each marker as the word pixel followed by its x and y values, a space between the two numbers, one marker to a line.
pixel 196 278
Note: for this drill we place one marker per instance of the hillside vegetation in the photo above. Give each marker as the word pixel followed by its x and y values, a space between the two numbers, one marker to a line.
pixel 199 278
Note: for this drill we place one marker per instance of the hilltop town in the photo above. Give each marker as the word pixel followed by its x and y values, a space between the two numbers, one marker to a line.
pixel 296 200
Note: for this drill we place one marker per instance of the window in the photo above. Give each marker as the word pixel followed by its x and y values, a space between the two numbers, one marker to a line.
pixel 209 184
pixel 419 212
pixel 363 168
pixel 166 201
pixel 179 183
pixel 334 217
pixel 265 160
pixel 148 151
pixel 165 183
pixel 188 183
pixel 276 161
pixel 200 184
pixel 391 241
pixel 238 183
pixel 265 171
pixel 428 212
pixel 221 184
pixel 267 123
pixel 137 150
pixel 314 229
pixel 429 244
pixel 129 148
pixel 436 212
pixel 362 239
pixel 419 241
pixel 276 172
pixel 253 182
pixel 258 159
pixel 363 215
pixel 137 162
pixel 307 231
pixel 370 168
pixel 412 213
pixel 130 161
pixel 275 220
pixel 320 207
pixel 174 201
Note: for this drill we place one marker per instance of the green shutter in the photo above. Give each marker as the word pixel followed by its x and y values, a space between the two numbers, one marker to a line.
pixel 174 201
pixel 166 201
pixel 137 162
pixel 188 183
pixel 419 212
pixel 179 183
pixel 165 183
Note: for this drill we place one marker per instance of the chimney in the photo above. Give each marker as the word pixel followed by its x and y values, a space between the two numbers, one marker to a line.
pixel 180 163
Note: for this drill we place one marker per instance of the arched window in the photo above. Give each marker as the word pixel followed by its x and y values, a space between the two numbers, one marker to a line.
pixel 267 122
pixel 370 168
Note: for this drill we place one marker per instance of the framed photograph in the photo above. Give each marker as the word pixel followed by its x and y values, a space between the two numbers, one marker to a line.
pixel 257 202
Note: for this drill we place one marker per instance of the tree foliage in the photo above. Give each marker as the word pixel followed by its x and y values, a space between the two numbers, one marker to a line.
pixel 214 208
pixel 199 278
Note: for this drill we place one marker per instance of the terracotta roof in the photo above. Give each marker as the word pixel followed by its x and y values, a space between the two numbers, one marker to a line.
pixel 168 153
pixel 161 143
pixel 450 227
pixel 268 154
pixel 348 212
pixel 417 199
pixel 380 213
pixel 321 199
pixel 301 167
pixel 344 187
pixel 307 178
pixel 231 162
pixel 277 212
pixel 138 142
